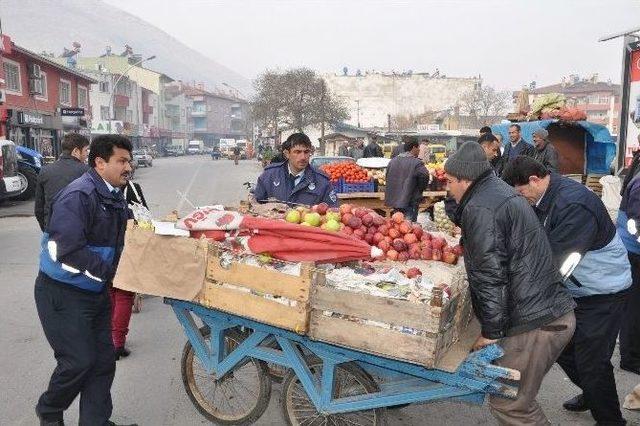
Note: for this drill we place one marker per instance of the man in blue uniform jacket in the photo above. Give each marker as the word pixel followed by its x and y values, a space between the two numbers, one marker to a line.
pixel 295 181
pixel 81 247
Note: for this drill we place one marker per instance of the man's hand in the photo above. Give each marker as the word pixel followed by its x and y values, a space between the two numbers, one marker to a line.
pixel 481 342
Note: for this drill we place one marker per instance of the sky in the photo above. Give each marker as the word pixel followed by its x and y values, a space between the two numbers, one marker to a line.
pixel 508 42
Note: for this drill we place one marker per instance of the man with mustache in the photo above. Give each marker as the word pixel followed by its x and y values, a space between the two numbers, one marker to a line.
pixel 81 247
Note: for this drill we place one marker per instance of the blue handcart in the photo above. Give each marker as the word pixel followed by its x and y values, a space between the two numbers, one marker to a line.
pixel 226 373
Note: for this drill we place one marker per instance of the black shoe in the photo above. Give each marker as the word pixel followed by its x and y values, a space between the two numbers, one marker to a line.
pixel 630 368
pixel 110 423
pixel 44 422
pixel 576 404
pixel 122 352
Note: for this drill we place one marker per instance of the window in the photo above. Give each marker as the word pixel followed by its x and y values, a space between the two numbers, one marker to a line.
pixel 103 86
pixel 44 91
pixel 65 92
pixel 104 113
pixel 83 97
pixel 12 76
pixel 604 100
pixel 129 116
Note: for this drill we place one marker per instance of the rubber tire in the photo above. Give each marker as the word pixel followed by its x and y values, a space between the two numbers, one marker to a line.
pixel 352 368
pixel 264 390
pixel 32 180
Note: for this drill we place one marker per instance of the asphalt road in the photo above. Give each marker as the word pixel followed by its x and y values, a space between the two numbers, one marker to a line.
pixel 148 386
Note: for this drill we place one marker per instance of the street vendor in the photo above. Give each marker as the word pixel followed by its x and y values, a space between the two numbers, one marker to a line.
pixel 516 292
pixel 295 181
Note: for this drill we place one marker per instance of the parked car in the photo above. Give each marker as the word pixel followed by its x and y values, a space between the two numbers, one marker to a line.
pixel 29 166
pixel 215 153
pixel 173 151
pixel 143 157
pixel 316 162
pixel 10 182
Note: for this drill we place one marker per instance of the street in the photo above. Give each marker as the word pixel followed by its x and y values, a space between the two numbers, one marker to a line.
pixel 148 386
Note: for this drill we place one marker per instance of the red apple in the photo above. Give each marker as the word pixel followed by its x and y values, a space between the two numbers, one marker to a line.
pixel 394 233
pixel 392 255
pixel 403 256
pixel 414 252
pixel 358 233
pixel 367 219
pixel 377 237
pixel 417 230
pixel 426 254
pixel 346 217
pixel 426 244
pixel 383 229
pixel 378 220
pixel 384 245
pixel 425 237
pixel 438 243
pixel 345 208
pixel 354 222
pixel 399 245
pixel 397 217
pixel 369 239
pixel 359 212
pixel 450 258
pixel 322 208
pixel 436 255
pixel 388 239
pixel 347 230
pixel 458 250
pixel 410 238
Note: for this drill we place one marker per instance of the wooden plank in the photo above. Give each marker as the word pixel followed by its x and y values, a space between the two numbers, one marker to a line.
pixel 459 351
pixel 356 195
pixel 375 340
pixel 382 309
pixel 256 307
pixel 261 279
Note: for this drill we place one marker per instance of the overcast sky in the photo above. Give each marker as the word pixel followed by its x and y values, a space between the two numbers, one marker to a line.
pixel 508 42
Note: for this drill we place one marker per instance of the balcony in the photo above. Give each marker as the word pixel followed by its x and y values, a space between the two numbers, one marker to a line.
pixel 172 111
pixel 120 101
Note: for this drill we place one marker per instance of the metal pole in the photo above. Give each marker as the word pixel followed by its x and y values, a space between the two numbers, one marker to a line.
pixel 113 90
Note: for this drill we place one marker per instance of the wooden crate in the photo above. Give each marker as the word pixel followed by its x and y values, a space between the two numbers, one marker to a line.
pixel 593 183
pixel 440 326
pixel 240 289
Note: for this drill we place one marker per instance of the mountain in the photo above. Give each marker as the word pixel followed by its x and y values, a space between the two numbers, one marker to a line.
pixel 52 25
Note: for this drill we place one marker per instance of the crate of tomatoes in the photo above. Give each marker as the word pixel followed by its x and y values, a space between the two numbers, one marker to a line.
pixel 348 177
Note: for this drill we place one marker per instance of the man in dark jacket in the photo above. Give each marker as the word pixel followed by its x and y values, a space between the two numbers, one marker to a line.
pixel 373 149
pixel 628 226
pixel 70 165
pixel 517 145
pixel 80 251
pixel 295 181
pixel 580 229
pixel 544 152
pixel 397 150
pixel 407 178
pixel 516 292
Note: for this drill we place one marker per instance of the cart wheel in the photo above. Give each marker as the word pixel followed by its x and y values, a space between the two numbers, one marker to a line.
pixel 349 380
pixel 238 398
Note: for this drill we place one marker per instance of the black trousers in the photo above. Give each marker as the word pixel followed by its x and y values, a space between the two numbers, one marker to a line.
pixel 78 328
pixel 630 330
pixel 587 357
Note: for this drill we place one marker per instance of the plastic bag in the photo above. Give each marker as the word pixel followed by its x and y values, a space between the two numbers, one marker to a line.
pixel 611 197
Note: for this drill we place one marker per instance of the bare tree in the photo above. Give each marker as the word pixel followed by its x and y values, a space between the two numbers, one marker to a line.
pixel 296 99
pixel 485 102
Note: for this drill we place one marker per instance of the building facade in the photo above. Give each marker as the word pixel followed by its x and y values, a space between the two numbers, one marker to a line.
pixel 600 100
pixel 42 99
pixel 374 98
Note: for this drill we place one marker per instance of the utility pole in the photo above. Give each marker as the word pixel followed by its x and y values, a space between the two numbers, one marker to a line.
pixel 358 104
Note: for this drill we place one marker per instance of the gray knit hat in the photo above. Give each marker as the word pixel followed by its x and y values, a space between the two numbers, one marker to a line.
pixel 468 162
pixel 543 133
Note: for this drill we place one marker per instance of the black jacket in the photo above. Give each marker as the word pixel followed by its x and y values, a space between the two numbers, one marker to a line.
pixel 522 148
pixel 372 150
pixel 514 285
pixel 407 178
pixel 548 156
pixel 51 180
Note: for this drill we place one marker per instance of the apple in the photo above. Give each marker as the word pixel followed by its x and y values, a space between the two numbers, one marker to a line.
pixel 383 229
pixel 410 238
pixel 384 245
pixel 458 250
pixel 377 237
pixel 364 230
pixel 345 208
pixel 360 212
pixel 332 225
pixel 405 227
pixel 347 230
pixel 403 256
pixel 397 217
pixel 392 255
pixel 354 222
pixel 426 253
pixel 417 230
pixel 293 216
pixel 333 215
pixel 346 217
pixel 367 219
pixel 369 239
pixel 394 233
pixel 436 255
pixel 358 233
pixel 306 224
pixel 322 208
pixel 378 220
pixel 450 258
pixel 414 252
pixel 312 219
pixel 399 245
pixel 413 272
pixel 425 237
pixel 388 239
pixel 438 243
pixel 426 244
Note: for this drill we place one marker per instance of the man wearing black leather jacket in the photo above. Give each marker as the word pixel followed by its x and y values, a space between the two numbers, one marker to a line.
pixel 516 292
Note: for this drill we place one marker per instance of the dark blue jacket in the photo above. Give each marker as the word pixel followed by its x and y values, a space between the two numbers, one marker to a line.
pixel 276 182
pixel 629 216
pixel 576 221
pixel 84 238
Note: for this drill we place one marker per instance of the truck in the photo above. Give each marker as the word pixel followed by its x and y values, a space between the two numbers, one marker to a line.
pixel 226 147
pixel 195 147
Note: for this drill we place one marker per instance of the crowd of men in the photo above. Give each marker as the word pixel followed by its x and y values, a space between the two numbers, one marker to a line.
pixel 552 278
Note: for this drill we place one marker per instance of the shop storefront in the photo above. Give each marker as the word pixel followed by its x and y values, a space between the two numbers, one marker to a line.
pixel 35 130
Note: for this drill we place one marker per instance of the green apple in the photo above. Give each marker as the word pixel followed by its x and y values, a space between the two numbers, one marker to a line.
pixel 332 225
pixel 333 215
pixel 293 216
pixel 312 219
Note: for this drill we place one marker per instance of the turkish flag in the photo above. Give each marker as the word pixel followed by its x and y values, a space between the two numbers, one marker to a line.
pixel 635 65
